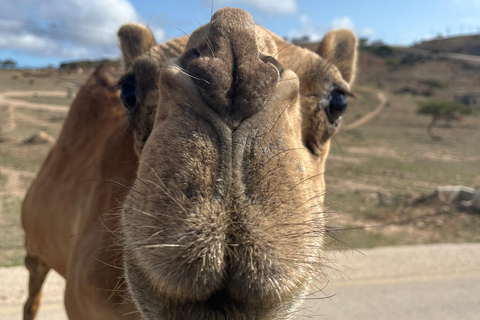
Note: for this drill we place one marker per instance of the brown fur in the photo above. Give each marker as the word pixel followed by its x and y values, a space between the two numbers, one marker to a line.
pixel 224 217
pixel 66 210
pixel 339 47
pixel 134 33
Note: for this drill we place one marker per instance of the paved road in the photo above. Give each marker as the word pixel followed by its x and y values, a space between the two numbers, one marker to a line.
pixel 416 282
pixel 450 56
pixel 464 57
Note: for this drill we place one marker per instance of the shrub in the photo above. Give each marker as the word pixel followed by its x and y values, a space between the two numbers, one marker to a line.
pixel 445 110
pixel 392 63
pixel 407 90
pixel 432 84
pixel 427 92
pixel 411 59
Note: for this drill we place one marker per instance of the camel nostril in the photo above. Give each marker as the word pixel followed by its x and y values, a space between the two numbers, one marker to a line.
pixel 272 60
pixel 192 53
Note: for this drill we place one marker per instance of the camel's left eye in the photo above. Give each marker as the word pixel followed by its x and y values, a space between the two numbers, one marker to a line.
pixel 128 97
pixel 337 106
pixel 128 94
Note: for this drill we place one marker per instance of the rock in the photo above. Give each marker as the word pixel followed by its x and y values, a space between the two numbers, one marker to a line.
pixel 463 197
pixel 40 137
pixel 455 194
pixel 421 225
pixel 476 201
pixel 383 199
pixel 444 209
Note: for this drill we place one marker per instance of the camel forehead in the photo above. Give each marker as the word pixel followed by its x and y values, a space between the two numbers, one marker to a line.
pixel 265 42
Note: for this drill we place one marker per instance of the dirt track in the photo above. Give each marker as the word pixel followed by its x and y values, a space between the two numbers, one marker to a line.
pixel 5 98
pixel 369 116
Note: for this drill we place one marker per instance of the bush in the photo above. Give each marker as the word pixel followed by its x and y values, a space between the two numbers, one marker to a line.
pixel 411 59
pixel 445 110
pixel 392 63
pixel 432 84
pixel 377 48
pixel 407 90
pixel 427 92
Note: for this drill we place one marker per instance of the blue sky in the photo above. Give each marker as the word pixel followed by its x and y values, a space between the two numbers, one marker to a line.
pixel 37 33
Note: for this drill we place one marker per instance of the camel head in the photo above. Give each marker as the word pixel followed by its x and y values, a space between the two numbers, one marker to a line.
pixel 225 219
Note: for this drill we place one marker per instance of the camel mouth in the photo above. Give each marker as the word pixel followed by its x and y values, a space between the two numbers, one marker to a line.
pixel 220 301
pixel 219 306
pixel 222 306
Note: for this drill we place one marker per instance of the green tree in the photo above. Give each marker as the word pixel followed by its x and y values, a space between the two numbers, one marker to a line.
pixel 442 110
pixel 300 40
pixel 377 48
pixel 9 63
pixel 363 42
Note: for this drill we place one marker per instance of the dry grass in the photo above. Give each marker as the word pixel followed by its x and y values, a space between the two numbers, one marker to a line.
pixel 19 163
pixel 375 172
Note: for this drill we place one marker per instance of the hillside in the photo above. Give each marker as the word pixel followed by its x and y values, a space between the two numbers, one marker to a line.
pixel 464 45
pixel 422 73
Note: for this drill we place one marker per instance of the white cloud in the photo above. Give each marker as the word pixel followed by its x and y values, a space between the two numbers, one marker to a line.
pixel 65 28
pixel 366 32
pixel 268 6
pixel 309 27
pixel 343 23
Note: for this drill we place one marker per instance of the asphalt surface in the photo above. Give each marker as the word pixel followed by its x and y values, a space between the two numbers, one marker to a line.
pixel 416 282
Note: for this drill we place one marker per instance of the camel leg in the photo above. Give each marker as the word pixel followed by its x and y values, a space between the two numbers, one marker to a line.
pixel 38 271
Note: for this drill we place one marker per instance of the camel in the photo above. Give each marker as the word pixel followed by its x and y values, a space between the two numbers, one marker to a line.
pixel 197 192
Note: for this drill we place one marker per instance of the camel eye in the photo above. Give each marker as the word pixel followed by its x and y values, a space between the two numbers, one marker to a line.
pixel 128 94
pixel 337 106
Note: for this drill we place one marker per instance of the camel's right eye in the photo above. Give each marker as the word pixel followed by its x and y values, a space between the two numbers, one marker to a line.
pixel 336 106
pixel 128 95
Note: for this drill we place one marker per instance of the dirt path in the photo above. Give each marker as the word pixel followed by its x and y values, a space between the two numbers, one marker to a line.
pixel 369 116
pixel 32 120
pixel 5 98
pixel 11 123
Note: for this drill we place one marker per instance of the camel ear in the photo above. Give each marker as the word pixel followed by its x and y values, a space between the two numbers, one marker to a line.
pixel 135 40
pixel 340 48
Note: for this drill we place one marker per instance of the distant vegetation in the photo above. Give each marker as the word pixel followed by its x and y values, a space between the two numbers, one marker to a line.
pixel 432 84
pixel 464 44
pixel 300 40
pixel 377 48
pixel 88 64
pixel 442 110
pixel 412 58
pixel 8 64
pixel 425 87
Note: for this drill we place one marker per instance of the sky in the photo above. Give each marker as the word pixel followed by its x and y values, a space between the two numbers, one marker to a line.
pixel 36 33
